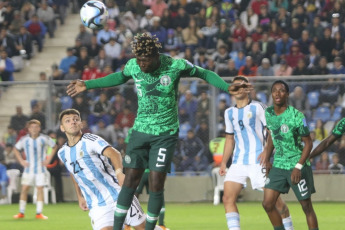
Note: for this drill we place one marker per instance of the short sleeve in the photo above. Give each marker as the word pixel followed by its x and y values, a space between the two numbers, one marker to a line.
pixel 128 67
pixel 187 67
pixel 19 144
pixel 51 142
pixel 229 128
pixel 302 125
pixel 262 117
pixel 339 129
pixel 99 145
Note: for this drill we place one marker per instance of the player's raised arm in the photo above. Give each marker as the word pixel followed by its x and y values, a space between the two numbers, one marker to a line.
pixel 116 160
pixel 325 143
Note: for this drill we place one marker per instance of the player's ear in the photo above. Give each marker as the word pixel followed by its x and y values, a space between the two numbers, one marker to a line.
pixel 62 128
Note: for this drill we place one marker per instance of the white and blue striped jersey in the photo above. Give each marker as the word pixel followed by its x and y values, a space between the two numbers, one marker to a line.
pixel 247 124
pixel 91 170
pixel 35 151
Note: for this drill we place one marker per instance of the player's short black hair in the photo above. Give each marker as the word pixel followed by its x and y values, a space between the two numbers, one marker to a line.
pixel 243 78
pixel 145 45
pixel 281 82
pixel 68 112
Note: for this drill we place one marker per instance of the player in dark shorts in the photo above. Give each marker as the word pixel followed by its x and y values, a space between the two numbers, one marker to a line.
pixel 154 134
pixel 291 169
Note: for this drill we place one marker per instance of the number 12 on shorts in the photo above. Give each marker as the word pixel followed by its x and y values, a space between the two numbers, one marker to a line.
pixel 161 157
pixel 302 187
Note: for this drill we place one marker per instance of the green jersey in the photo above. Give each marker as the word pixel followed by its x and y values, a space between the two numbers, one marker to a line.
pixel 339 129
pixel 158 91
pixel 286 131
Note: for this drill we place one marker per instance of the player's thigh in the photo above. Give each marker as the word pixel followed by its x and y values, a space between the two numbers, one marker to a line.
pixel 257 176
pixel 137 151
pixel 237 173
pixel 40 179
pixel 135 215
pixel 305 187
pixel 277 180
pixel 28 179
pixel 102 217
pixel 161 152
pixel 231 191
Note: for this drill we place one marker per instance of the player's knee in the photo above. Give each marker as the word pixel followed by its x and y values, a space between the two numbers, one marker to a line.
pixel 268 206
pixel 228 199
pixel 307 207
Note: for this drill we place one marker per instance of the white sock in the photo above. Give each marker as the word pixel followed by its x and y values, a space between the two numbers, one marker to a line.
pixel 22 206
pixel 39 207
pixel 233 220
pixel 287 222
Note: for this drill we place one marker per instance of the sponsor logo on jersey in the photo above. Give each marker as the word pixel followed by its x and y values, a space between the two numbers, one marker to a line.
pixel 165 80
pixel 127 159
pixel 284 128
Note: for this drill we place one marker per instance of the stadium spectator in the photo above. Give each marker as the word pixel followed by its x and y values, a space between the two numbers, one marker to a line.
pixel 135 6
pixel 190 105
pixel 230 71
pixel 267 46
pixel 320 130
pixel 221 57
pixel 129 20
pixel 200 58
pixel 313 58
pixel 335 167
pixel 265 68
pixel 16 23
pixel 80 104
pixel 256 4
pixel 299 100
pixel 239 33
pixel 240 59
pixel 172 42
pixel 326 45
pixel 158 7
pixel 338 67
pixel 248 42
pixel 10 136
pixel 61 7
pixel 192 151
pixel 84 36
pixel 115 132
pixel 203 107
pixel 24 43
pixel 323 163
pixel 158 30
pixel 10 159
pixel 301 68
pixel 46 15
pixel 295 31
pixel 7 42
pixel 249 20
pixel 6 67
pixel 37 114
pixel 113 50
pixel 102 60
pixel 104 35
pixel 18 121
pixel 329 92
pixel 283 18
pixel 283 46
pixel 256 53
pixel 257 34
pixel 249 69
pixel 100 129
pixel 294 56
pixel 336 26
pixel 283 70
pixel 315 29
pixel 227 10
pixel 304 42
pixel 91 71
pixel 321 67
pixel 190 35
pixel 83 60
pixel 193 7
pixel 301 16
pixel 37 29
pixel 275 31
pixel 146 21
pixel 67 61
pixel 100 110
pixel 125 119
pixel 27 11
pixel 265 18
pixel 72 73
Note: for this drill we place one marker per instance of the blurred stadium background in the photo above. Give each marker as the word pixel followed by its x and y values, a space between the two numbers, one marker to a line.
pixel 38 89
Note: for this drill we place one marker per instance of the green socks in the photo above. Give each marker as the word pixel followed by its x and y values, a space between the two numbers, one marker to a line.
pixel 124 202
pixel 161 215
pixel 154 207
pixel 279 228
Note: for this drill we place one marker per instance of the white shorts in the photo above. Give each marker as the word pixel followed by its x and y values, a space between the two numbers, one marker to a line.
pixel 104 216
pixel 31 179
pixel 239 174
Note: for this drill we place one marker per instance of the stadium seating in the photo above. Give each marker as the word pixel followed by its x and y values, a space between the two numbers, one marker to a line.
pixel 336 113
pixel 322 113
pixel 66 102
pixel 262 97
pixel 13 175
pixel 218 184
pixel 313 98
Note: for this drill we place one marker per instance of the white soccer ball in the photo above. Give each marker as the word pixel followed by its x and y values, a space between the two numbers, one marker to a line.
pixel 94 14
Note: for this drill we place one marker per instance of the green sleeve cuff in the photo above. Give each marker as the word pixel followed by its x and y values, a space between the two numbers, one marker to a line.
pixel 110 80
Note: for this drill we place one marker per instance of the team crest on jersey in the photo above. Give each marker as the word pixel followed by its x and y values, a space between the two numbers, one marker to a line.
pixel 165 80
pixel 249 115
pixel 267 181
pixel 81 154
pixel 284 128
pixel 127 159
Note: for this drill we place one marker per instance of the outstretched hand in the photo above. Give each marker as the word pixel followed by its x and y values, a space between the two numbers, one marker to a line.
pixel 238 88
pixel 75 87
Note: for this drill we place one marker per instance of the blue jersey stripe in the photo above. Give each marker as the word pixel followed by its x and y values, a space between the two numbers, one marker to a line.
pixel 258 144
pixel 88 183
pixel 245 138
pixel 26 149
pixel 98 175
pixel 42 155
pixel 35 156
pixel 236 150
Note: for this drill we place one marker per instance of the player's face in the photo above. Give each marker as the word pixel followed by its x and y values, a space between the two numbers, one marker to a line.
pixel 71 124
pixel 34 129
pixel 148 64
pixel 279 94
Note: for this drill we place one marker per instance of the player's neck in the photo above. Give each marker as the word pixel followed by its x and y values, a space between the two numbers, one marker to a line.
pixel 279 109
pixel 73 139
pixel 240 103
pixel 34 136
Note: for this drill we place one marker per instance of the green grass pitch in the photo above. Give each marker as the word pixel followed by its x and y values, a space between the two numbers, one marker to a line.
pixel 195 216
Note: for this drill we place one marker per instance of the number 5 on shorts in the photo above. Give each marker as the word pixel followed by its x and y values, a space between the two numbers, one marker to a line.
pixel 161 155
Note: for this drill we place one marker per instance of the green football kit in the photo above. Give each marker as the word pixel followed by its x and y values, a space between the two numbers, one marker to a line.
pixel 155 130
pixel 286 131
pixel 339 129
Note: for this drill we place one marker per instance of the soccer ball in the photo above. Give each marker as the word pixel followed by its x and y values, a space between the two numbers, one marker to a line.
pixel 94 14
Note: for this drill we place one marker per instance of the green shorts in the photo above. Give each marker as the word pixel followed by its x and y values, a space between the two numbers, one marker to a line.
pixel 150 151
pixel 280 180
pixel 144 182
